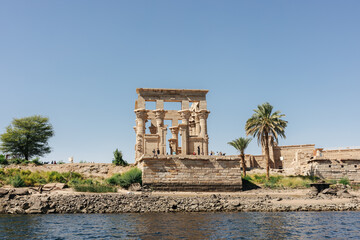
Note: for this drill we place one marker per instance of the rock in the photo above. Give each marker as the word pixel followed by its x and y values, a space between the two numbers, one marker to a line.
pixel 135 187
pixel 173 204
pixel 344 194
pixel 330 191
pixel 235 203
pixel 53 186
pixel 279 199
pixel 18 192
pixel 3 192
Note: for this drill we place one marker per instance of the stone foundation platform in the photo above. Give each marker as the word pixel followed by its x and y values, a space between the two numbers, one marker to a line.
pixel 191 173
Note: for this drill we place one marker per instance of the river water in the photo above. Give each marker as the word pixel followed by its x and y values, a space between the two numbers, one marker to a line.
pixel 242 225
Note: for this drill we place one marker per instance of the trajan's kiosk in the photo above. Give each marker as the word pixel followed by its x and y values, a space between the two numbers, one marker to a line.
pixel 183 163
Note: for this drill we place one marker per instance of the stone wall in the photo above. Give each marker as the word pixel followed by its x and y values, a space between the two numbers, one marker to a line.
pixel 335 169
pixel 293 156
pixel 341 154
pixel 191 173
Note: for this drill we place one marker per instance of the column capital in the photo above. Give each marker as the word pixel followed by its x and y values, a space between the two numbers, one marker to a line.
pixel 174 130
pixel 159 113
pixel 141 113
pixel 185 114
pixel 203 114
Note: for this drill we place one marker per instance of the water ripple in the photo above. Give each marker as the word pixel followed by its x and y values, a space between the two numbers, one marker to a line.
pixel 243 225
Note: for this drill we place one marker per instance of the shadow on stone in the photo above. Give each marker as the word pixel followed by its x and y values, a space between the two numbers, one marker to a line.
pixel 247 185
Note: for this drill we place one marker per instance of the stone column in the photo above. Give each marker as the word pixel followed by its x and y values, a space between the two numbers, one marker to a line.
pixel 206 144
pixel 197 125
pixel 184 131
pixel 141 117
pixel 203 114
pixel 159 116
pixel 174 139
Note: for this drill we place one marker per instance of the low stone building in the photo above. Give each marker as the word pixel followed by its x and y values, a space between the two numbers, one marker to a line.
pixel 309 160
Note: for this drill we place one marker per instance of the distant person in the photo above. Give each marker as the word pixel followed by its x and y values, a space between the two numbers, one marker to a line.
pixel 158 152
pixel 198 148
pixel 194 153
pixel 154 152
pixel 52 162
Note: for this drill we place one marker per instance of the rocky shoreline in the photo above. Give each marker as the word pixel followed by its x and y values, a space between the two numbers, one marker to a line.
pixel 21 201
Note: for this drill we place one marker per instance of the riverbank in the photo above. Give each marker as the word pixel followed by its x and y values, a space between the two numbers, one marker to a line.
pixel 23 201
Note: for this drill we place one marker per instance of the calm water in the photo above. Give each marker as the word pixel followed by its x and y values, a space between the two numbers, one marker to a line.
pixel 294 225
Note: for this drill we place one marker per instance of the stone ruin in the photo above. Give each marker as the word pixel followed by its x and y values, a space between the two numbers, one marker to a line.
pixel 192 129
pixel 185 164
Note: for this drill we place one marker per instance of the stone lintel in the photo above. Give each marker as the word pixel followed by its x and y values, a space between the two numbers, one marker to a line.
pixel 172 95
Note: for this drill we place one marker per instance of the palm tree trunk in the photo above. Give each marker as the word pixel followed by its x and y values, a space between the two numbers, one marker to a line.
pixel 243 164
pixel 267 155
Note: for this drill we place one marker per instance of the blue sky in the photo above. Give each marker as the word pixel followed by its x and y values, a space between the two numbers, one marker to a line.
pixel 80 62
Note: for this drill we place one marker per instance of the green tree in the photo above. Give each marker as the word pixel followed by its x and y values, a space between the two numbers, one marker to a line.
pixel 241 144
pixel 27 137
pixel 264 124
pixel 118 159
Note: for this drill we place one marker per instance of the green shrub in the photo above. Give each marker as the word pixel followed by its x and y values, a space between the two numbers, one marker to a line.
pixel 17 181
pixel 114 179
pixel 345 181
pixel 54 176
pixel 279 181
pixel 332 181
pixel 118 159
pixel 93 188
pixel 134 175
pixel 72 175
pixel 36 161
pixel 3 160
pixel 260 179
pixel 247 178
pixel 16 161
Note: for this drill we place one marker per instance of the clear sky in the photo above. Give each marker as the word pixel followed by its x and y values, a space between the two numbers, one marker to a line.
pixel 80 62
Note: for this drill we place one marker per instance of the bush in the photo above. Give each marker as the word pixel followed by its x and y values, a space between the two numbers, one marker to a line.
pixel 3 160
pixel 17 161
pixel 247 178
pixel 54 176
pixel 36 161
pixel 93 188
pixel 118 159
pixel 114 179
pixel 17 181
pixel 278 181
pixel 345 181
pixel 134 175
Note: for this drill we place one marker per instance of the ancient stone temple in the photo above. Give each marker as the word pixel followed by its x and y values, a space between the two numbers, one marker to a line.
pixel 188 124
pixel 182 162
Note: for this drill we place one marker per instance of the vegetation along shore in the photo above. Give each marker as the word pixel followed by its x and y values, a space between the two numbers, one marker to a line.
pixel 27 191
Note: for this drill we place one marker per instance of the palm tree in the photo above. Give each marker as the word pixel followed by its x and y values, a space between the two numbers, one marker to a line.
pixel 263 124
pixel 241 144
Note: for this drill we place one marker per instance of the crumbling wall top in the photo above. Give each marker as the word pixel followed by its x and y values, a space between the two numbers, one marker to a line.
pixel 172 95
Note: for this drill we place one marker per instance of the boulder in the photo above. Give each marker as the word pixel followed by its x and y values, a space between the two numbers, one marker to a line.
pixel 18 192
pixel 3 192
pixel 135 187
pixel 343 193
pixel 329 191
pixel 53 186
